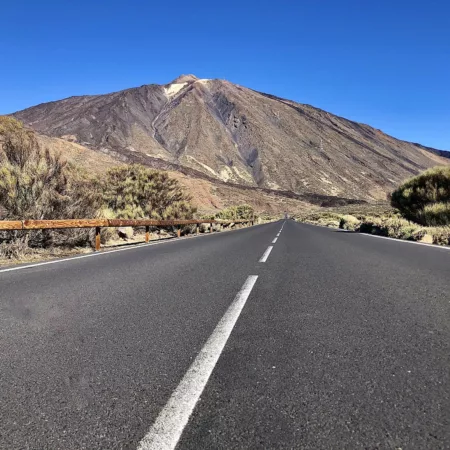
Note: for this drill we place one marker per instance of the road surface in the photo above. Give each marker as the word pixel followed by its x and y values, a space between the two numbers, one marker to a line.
pixel 326 340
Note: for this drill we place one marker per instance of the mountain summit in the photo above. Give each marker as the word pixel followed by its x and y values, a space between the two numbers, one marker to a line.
pixel 185 79
pixel 236 135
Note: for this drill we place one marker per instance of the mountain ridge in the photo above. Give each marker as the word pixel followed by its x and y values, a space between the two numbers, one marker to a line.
pixel 239 136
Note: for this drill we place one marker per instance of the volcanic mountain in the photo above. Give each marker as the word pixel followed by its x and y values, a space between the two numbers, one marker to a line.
pixel 222 131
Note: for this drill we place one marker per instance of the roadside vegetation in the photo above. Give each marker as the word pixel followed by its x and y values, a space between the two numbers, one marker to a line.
pixel 35 184
pixel 38 184
pixel 137 192
pixel 419 210
pixel 425 199
pixel 240 212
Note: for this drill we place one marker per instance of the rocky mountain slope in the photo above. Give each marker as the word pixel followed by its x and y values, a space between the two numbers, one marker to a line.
pixel 221 131
pixel 208 195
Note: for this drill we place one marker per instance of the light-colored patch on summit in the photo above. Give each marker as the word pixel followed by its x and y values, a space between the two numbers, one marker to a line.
pixel 174 88
pixel 203 81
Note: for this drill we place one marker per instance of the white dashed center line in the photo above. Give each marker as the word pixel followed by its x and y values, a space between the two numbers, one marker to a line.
pixel 275 240
pixel 169 425
pixel 266 254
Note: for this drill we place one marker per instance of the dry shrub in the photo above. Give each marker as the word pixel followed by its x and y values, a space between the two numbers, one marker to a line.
pixel 435 214
pixel 389 224
pixel 392 227
pixel 349 222
pixel 14 248
pixel 326 219
pixel 35 184
pixel 440 235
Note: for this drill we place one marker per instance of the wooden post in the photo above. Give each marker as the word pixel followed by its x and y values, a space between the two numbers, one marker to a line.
pixel 197 229
pixel 210 227
pixel 179 232
pixel 97 239
pixel 147 233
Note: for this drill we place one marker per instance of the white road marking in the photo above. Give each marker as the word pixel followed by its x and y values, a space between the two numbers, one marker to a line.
pixel 275 240
pixel 278 235
pixel 266 254
pixel 107 252
pixel 171 421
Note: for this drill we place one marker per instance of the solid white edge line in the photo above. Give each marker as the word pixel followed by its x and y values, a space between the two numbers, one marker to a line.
pixel 266 254
pixel 107 252
pixel 168 427
pixel 275 240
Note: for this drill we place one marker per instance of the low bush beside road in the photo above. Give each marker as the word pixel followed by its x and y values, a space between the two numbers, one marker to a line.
pixel 425 198
pixel 394 227
pixel 419 211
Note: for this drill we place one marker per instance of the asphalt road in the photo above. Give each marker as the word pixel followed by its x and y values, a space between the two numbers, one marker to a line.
pixel 329 340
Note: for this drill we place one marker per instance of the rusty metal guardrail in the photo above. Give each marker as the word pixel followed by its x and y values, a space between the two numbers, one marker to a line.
pixel 98 224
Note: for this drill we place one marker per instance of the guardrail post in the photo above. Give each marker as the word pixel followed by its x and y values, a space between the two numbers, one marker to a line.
pixel 97 239
pixel 147 233
pixel 197 229
pixel 210 227
pixel 179 232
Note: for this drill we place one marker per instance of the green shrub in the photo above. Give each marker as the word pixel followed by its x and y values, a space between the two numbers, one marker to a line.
pixel 240 212
pixel 136 192
pixel 392 227
pixel 436 214
pixel 425 199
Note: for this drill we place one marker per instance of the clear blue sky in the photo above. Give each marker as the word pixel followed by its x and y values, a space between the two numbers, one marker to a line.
pixel 383 62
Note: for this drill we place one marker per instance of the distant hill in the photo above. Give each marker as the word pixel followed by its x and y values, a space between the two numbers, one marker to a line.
pixel 221 131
